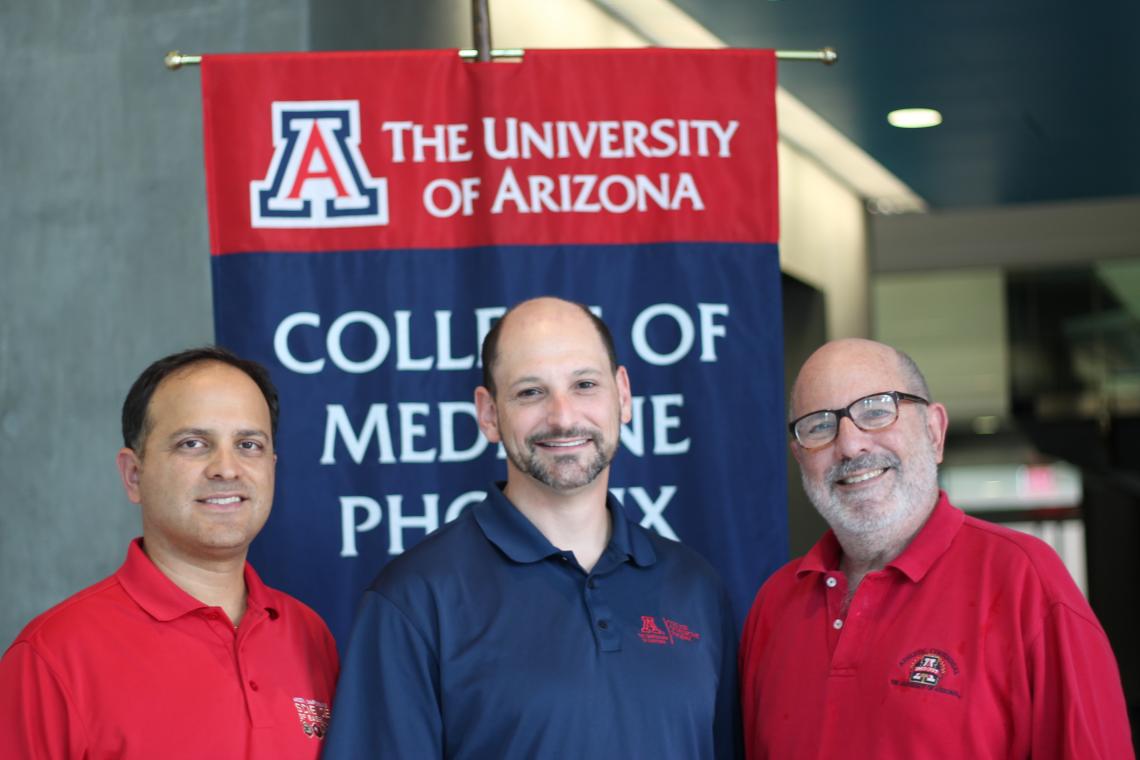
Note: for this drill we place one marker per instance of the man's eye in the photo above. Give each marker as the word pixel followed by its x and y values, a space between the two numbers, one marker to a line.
pixel 250 445
pixel 586 384
pixel 872 413
pixel 529 393
pixel 820 427
pixel 192 443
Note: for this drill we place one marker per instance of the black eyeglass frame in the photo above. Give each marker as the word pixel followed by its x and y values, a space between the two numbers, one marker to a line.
pixel 846 412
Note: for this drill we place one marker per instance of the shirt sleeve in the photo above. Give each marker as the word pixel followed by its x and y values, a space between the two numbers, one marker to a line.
pixel 37 718
pixel 387 700
pixel 726 726
pixel 1079 711
pixel 752 643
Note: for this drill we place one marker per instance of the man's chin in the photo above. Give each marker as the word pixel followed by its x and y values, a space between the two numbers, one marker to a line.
pixel 569 481
pixel 857 516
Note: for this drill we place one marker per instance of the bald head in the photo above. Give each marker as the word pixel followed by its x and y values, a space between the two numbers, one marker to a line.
pixel 851 368
pixel 545 313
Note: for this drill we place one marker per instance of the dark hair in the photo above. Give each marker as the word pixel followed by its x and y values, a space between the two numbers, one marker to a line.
pixel 136 424
pixel 491 343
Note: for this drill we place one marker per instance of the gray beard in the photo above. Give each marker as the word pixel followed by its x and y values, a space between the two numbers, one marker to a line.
pixel 914 492
pixel 564 473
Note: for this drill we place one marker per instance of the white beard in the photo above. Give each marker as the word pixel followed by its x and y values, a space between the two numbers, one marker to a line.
pixel 873 514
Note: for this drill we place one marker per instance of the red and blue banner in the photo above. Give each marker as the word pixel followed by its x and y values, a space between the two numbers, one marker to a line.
pixel 372 214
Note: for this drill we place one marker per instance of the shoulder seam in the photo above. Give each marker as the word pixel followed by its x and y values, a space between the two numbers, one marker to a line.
pixel 1094 623
pixel 408 620
pixel 39 621
pixel 59 682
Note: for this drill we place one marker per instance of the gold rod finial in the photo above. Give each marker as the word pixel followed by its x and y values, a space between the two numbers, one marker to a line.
pixel 174 60
pixel 826 56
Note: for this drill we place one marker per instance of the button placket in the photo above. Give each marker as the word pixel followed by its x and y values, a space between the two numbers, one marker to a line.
pixel 834 590
pixel 859 624
pixel 601 616
pixel 256 677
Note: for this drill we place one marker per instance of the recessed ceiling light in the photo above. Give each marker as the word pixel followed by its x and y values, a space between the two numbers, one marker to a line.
pixel 914 118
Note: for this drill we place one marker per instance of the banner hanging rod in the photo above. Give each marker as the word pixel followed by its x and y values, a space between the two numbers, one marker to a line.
pixel 175 60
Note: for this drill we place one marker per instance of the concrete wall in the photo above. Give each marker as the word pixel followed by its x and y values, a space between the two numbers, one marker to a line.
pixel 104 261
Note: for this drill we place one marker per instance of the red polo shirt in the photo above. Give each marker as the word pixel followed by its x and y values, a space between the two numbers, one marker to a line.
pixel 134 667
pixel 974 642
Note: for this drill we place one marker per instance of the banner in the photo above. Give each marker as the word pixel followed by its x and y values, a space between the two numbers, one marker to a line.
pixel 372 214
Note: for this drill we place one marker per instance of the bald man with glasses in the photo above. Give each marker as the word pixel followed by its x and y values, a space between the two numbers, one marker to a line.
pixel 910 629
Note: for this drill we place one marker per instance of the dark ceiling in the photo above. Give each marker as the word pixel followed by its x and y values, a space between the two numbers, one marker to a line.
pixel 1040 99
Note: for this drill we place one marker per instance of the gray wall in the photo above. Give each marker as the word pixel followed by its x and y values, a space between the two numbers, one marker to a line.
pixel 104 259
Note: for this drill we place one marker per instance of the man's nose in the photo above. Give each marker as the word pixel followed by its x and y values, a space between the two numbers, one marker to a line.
pixel 559 410
pixel 850 441
pixel 223 464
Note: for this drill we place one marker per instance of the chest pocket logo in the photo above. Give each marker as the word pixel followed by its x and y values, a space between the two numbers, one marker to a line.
pixel 929 669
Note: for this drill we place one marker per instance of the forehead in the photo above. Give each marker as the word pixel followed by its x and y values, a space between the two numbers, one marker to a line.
pixel 837 375
pixel 208 394
pixel 544 338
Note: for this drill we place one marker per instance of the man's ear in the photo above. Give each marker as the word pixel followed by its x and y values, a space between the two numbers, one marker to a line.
pixel 130 466
pixel 487 414
pixel 624 395
pixel 937 422
pixel 797 451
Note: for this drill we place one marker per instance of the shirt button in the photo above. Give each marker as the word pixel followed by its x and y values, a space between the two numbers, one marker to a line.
pixel 592 583
pixel 831 582
pixel 603 624
pixel 211 616
pixel 253 686
pixel 837 624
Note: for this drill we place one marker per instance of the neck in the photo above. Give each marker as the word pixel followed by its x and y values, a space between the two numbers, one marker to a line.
pixel 860 559
pixel 863 556
pixel 575 521
pixel 215 582
pixel 865 553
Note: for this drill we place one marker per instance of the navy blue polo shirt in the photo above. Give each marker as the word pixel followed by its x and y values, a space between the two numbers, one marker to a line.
pixel 486 641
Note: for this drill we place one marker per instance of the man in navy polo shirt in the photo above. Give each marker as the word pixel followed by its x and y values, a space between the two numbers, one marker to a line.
pixel 543 623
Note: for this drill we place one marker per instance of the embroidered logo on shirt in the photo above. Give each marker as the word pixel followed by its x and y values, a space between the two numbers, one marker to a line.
pixel 930 669
pixel 314 716
pixel 651 633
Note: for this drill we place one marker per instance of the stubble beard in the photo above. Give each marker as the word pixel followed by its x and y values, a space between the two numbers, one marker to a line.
pixel 872 514
pixel 563 472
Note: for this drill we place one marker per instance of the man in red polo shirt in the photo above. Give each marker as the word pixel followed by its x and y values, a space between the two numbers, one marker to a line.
pixel 910 629
pixel 183 652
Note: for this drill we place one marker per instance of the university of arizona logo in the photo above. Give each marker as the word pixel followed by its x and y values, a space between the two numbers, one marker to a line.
pixel 930 669
pixel 314 716
pixel 317 177
pixel 651 633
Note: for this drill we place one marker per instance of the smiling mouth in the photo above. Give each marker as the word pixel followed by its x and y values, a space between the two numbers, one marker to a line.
pixel 563 444
pixel 862 477
pixel 222 501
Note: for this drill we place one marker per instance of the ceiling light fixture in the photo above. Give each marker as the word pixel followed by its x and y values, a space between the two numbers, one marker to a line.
pixel 914 118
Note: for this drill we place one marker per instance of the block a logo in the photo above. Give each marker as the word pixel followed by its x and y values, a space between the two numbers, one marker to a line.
pixel 317 177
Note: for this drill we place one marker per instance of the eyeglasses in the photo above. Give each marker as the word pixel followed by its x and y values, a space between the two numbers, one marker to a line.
pixel 874 412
